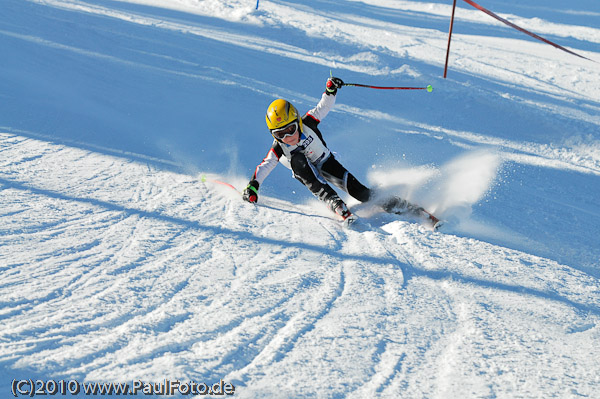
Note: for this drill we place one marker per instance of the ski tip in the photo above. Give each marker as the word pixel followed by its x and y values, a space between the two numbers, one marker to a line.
pixel 437 225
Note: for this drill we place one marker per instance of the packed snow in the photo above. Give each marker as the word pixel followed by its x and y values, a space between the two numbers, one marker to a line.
pixel 127 257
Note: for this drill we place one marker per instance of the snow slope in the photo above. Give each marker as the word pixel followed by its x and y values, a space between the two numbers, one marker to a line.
pixel 118 263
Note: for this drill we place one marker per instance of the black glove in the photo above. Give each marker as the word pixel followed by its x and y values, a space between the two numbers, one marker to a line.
pixel 333 84
pixel 251 192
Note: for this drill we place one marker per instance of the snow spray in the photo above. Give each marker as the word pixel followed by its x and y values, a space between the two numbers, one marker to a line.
pixel 465 180
pixel 450 190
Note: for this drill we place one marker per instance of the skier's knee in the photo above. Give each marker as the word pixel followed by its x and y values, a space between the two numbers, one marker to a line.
pixel 302 169
pixel 299 164
pixel 358 190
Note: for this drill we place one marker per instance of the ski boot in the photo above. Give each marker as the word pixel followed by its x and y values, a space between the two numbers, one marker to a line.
pixel 339 207
pixel 435 222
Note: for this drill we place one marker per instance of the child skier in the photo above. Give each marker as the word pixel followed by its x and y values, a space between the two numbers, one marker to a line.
pixel 313 164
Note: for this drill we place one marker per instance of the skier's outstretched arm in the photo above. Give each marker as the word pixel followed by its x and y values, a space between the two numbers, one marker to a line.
pixel 261 172
pixel 320 111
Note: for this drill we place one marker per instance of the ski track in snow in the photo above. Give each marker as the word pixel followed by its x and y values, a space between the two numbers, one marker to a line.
pixel 202 293
pixel 121 266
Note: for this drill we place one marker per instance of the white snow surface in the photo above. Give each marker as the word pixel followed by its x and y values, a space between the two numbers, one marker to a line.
pixel 122 257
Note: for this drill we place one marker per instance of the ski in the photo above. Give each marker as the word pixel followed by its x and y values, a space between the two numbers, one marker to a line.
pixel 432 221
pixel 400 206
pixel 435 222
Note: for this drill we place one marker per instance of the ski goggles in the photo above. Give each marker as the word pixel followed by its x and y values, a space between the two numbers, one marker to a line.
pixel 286 131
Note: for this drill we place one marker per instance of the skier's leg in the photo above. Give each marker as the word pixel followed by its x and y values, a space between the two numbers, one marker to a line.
pixel 335 173
pixel 399 205
pixel 307 174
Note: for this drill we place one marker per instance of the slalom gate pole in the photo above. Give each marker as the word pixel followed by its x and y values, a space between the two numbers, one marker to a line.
pixel 449 38
pixel 506 22
pixel 429 88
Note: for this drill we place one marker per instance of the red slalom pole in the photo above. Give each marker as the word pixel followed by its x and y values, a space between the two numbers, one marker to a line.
pixel 449 38
pixel 429 88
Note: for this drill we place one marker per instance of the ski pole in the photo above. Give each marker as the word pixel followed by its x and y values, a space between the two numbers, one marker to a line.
pixel 429 88
pixel 204 179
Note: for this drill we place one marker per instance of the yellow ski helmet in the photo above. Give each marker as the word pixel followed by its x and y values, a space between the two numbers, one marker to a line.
pixel 281 113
